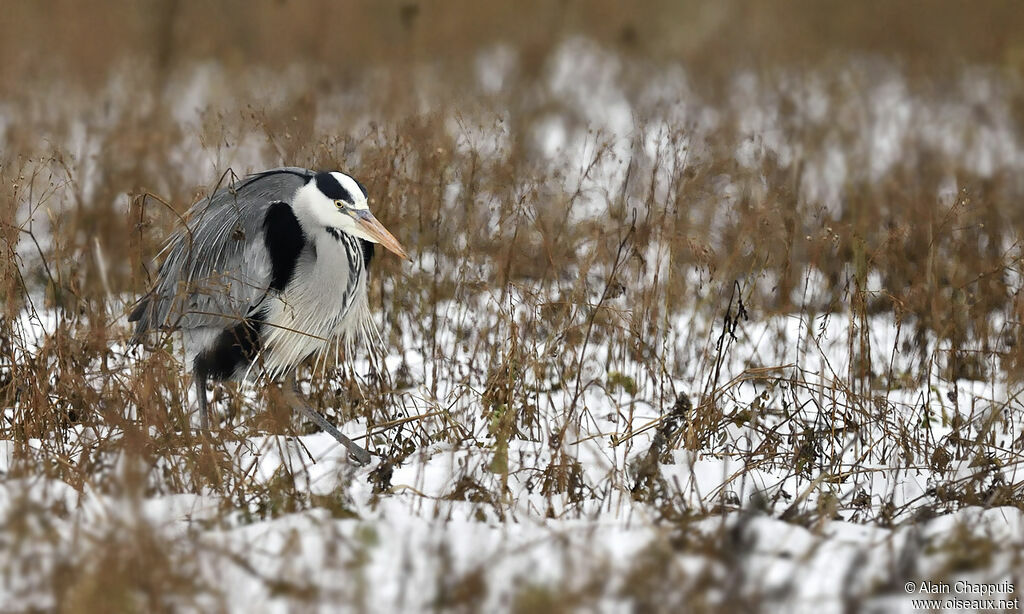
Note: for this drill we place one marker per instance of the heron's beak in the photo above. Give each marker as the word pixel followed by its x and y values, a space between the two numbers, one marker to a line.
pixel 373 228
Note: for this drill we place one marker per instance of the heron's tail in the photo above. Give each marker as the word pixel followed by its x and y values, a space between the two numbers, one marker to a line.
pixel 142 316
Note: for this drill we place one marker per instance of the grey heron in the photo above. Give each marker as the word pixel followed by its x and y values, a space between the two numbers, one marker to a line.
pixel 265 273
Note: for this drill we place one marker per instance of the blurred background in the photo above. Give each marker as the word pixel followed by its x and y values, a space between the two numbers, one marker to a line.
pixel 86 42
pixel 753 123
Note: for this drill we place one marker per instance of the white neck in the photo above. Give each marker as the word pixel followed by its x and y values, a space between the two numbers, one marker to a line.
pixel 302 206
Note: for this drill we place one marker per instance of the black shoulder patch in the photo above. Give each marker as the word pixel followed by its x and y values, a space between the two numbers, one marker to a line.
pixel 367 252
pixel 284 240
pixel 326 183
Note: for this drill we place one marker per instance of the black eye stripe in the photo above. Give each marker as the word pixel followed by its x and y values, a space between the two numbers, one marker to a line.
pixel 326 183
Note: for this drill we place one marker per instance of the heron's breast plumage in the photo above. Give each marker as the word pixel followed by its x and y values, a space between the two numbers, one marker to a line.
pixel 324 300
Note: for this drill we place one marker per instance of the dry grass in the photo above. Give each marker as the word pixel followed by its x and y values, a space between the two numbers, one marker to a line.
pixel 104 146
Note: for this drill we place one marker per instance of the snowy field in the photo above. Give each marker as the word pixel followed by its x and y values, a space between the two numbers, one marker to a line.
pixel 667 418
pixel 788 502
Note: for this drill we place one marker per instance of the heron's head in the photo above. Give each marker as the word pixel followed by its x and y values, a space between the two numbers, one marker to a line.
pixel 336 200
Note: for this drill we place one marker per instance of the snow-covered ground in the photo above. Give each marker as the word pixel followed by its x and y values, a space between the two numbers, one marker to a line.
pixel 741 517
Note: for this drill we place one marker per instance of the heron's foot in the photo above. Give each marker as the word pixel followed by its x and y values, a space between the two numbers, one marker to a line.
pixel 359 454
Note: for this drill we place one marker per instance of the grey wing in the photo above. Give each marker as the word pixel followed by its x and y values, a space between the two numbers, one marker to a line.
pixel 218 268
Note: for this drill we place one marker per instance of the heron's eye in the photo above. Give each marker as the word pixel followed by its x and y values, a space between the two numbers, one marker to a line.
pixel 340 204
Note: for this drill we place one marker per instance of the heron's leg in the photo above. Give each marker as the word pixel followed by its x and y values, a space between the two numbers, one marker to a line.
pixel 204 413
pixel 300 404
